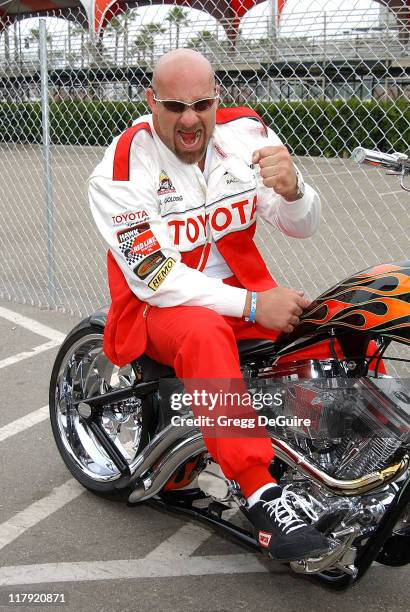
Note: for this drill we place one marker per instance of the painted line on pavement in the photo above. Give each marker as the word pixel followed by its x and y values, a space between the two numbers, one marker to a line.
pixel 82 571
pixel 181 544
pixel 186 540
pixel 333 174
pixel 19 425
pixel 391 193
pixel 38 511
pixel 170 558
pixel 30 353
pixel 31 325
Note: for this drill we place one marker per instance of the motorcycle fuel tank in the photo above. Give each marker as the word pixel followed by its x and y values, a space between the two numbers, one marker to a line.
pixel 376 300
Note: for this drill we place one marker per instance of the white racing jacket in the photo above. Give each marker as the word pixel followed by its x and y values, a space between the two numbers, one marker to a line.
pixel 158 215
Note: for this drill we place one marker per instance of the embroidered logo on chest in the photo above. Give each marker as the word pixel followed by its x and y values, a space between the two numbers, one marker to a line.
pixel 165 184
pixel 230 179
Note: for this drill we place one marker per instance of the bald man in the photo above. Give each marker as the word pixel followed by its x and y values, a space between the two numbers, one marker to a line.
pixel 176 198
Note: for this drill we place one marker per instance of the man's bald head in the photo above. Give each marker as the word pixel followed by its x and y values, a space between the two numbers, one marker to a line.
pixel 186 76
pixel 183 66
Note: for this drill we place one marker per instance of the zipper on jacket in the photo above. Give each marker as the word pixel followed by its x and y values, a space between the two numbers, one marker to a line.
pixel 208 234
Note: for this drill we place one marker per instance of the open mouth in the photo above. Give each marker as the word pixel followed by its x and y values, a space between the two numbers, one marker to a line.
pixel 189 140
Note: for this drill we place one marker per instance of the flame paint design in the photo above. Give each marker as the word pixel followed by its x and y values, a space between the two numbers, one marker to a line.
pixel 376 300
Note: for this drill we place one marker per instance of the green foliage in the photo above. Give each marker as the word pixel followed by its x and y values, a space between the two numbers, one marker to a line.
pixel 75 123
pixel 335 128
pixel 310 127
pixel 20 122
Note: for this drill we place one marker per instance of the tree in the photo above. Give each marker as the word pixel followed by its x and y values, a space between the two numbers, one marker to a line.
pixel 119 25
pixel 141 44
pixel 129 17
pixel 177 19
pixel 116 25
pixel 96 50
pixel 203 41
pixel 146 37
pixel 75 31
pixel 6 46
pixel 34 36
pixel 17 42
pixel 69 38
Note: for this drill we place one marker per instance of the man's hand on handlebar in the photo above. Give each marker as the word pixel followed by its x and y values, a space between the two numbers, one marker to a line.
pixel 278 308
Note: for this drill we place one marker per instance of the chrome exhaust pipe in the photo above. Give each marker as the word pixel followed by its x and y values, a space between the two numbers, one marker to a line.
pixel 176 456
pixel 157 448
pixel 357 486
pixel 167 452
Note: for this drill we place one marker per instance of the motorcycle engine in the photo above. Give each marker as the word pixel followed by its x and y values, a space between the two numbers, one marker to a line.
pixel 343 431
pixel 348 427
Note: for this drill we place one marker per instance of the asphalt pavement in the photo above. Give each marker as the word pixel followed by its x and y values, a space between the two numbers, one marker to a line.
pixel 86 553
pixel 365 220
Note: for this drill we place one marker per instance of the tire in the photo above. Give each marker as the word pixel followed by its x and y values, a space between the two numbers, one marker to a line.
pixel 396 549
pixel 81 371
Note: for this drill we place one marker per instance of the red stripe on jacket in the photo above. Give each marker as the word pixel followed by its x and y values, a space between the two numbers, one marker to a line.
pixel 121 169
pixel 226 115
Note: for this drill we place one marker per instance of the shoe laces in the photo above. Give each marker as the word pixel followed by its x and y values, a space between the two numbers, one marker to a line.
pixel 283 510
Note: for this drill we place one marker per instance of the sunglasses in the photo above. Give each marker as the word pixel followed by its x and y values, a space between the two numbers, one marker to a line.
pixel 199 106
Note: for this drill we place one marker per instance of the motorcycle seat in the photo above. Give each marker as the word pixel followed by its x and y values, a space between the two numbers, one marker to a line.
pixel 247 349
pixel 254 348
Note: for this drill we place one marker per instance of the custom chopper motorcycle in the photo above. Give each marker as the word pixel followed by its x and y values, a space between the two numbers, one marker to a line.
pixel 351 465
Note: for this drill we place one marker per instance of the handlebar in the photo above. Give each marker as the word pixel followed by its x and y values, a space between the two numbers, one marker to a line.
pixel 393 161
pixel 397 163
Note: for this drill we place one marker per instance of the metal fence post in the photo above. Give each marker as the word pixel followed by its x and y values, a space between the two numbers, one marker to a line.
pixel 45 120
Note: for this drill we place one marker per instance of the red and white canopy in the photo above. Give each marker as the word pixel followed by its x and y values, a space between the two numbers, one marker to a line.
pixel 97 13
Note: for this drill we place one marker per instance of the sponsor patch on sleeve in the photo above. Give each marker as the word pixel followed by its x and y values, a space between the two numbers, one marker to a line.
pixel 135 246
pixel 149 264
pixel 144 244
pixel 128 218
pixel 162 273
pixel 131 232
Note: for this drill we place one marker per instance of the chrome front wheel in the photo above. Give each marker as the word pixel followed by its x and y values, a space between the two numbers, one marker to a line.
pixel 97 445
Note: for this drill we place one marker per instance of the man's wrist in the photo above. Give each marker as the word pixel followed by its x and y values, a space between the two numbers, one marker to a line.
pixel 292 196
pixel 299 191
pixel 250 307
pixel 247 307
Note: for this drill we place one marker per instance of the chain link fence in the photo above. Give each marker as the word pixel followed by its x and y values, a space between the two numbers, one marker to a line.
pixel 325 80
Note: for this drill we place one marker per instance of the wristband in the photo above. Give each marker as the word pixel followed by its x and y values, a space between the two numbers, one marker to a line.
pixel 252 312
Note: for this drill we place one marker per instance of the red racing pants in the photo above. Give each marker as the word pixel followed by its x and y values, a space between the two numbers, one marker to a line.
pixel 201 344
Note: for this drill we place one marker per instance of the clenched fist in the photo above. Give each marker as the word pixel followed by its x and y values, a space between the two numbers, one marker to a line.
pixel 278 308
pixel 277 170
